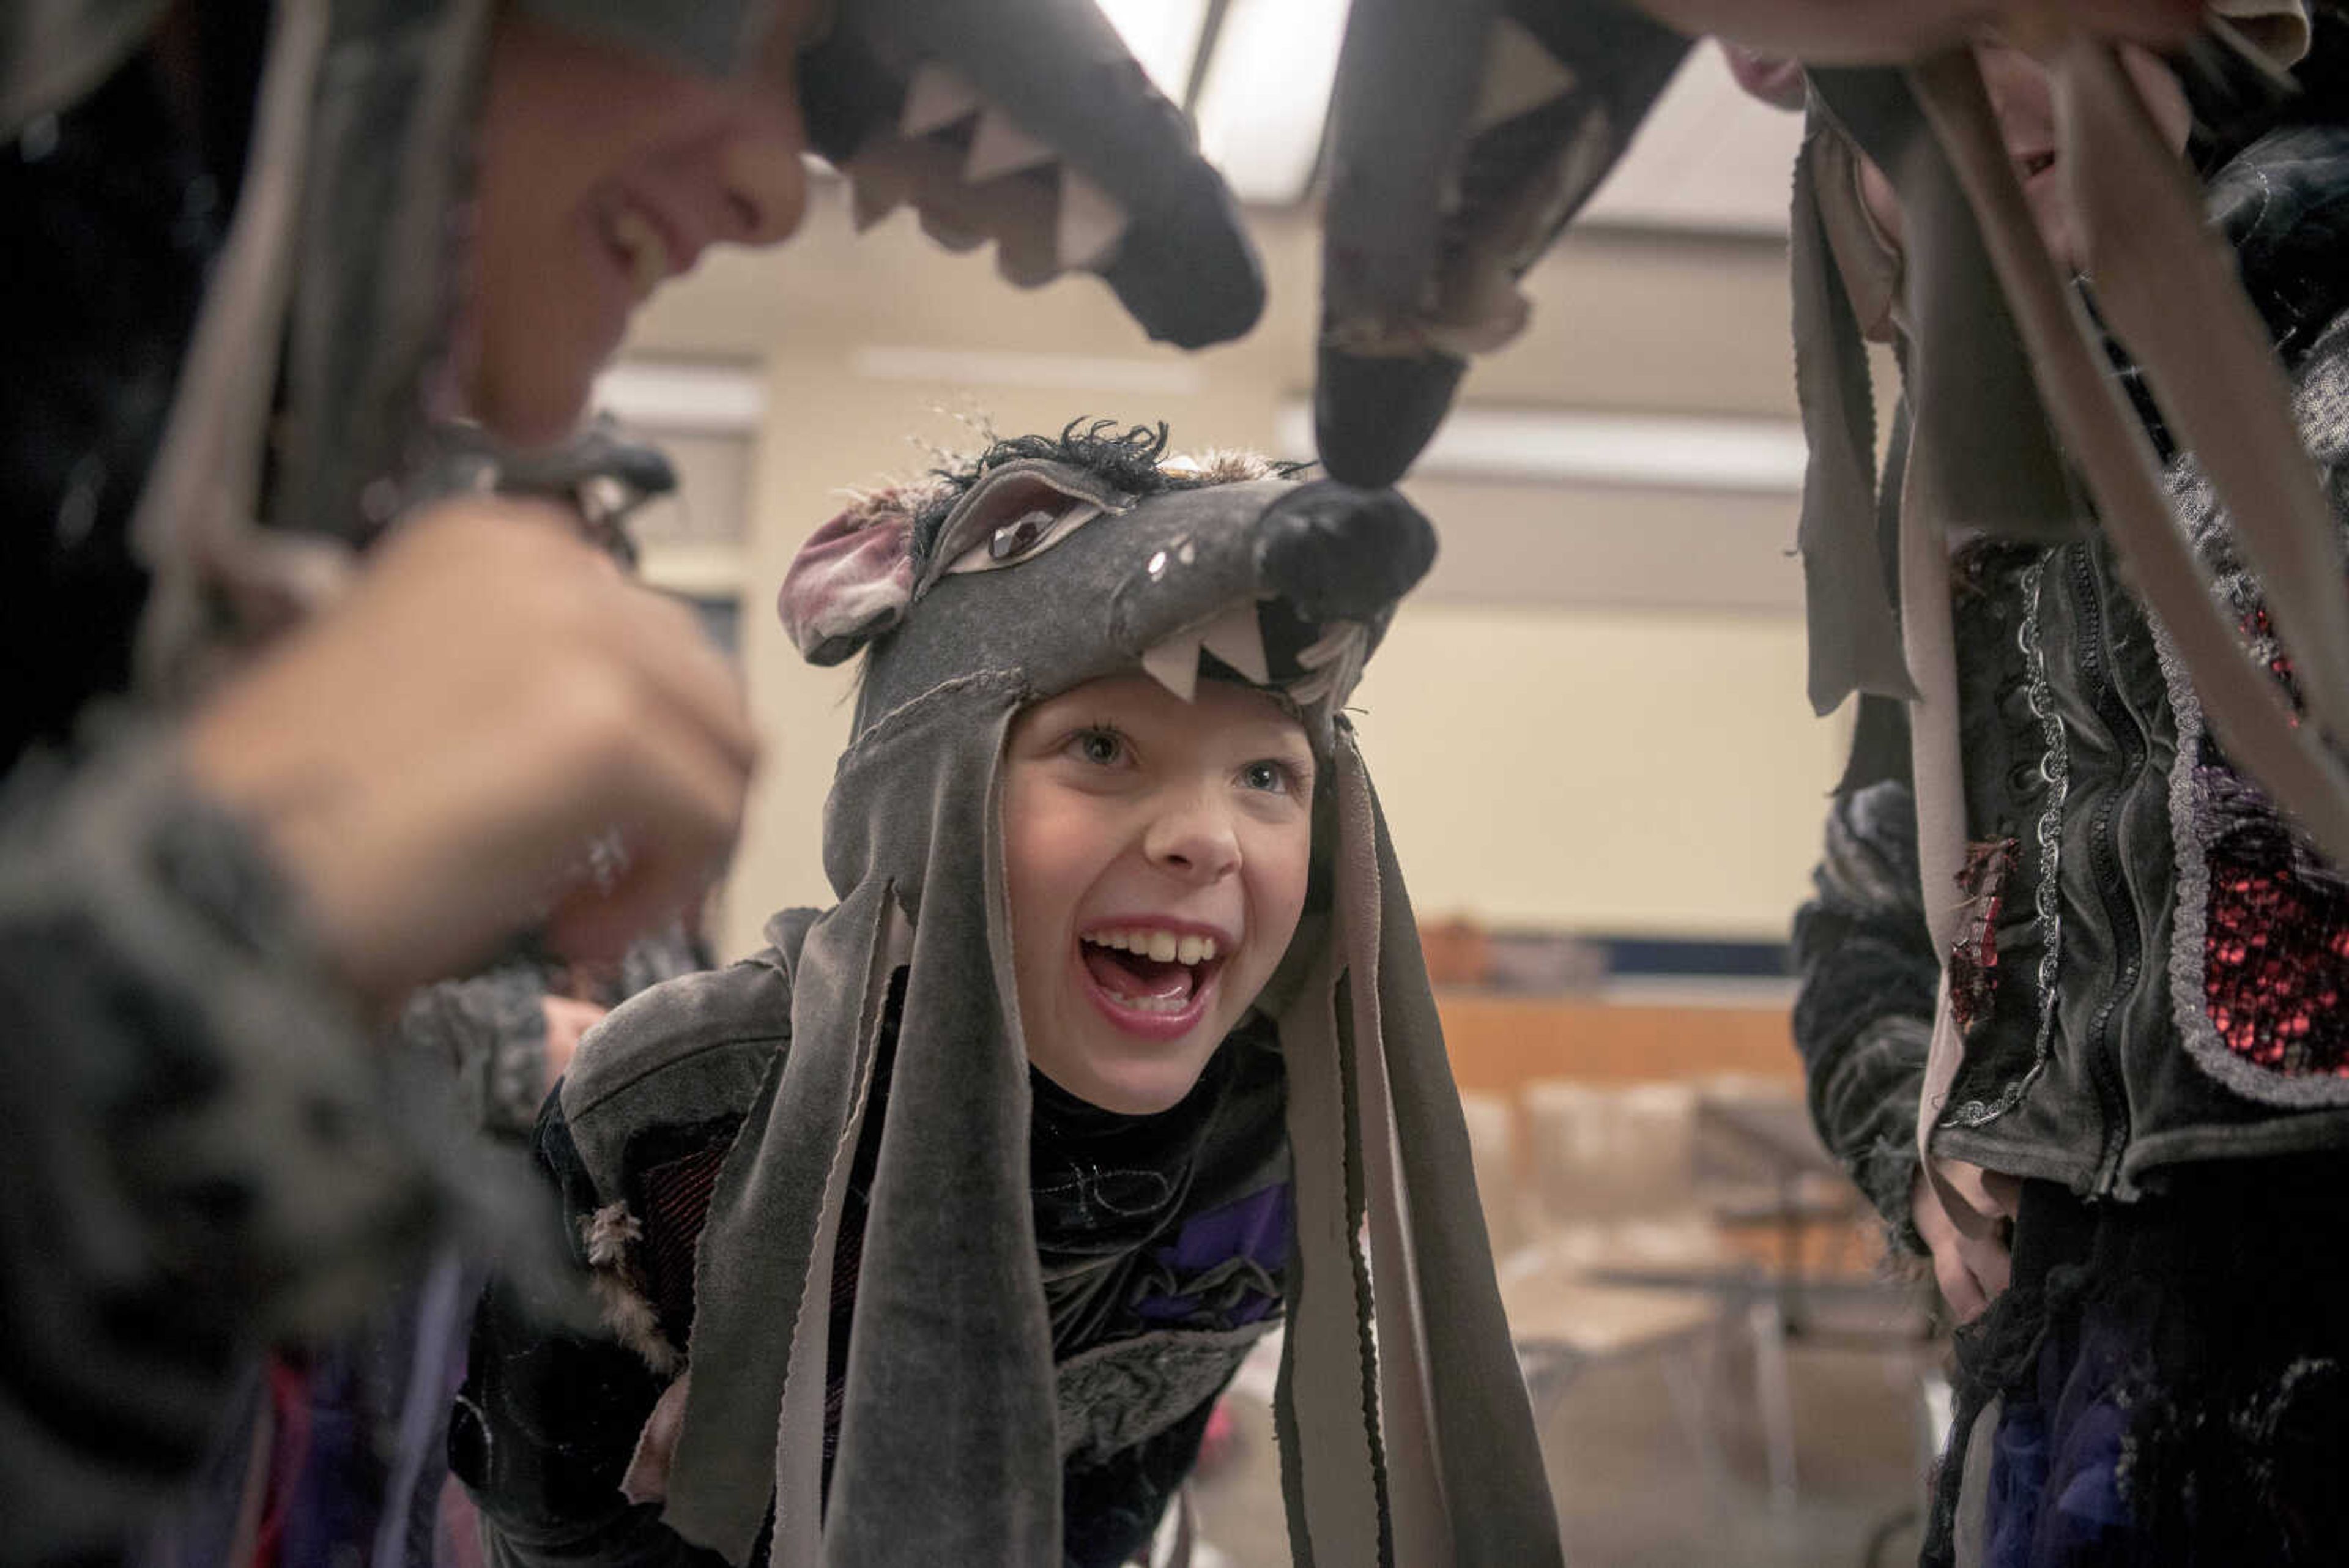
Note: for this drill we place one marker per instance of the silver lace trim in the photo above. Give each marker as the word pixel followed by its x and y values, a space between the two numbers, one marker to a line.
pixel 2056 767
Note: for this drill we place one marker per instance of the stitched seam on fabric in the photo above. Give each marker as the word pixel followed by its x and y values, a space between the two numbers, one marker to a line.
pixel 881 728
pixel 691 1058
pixel 2056 767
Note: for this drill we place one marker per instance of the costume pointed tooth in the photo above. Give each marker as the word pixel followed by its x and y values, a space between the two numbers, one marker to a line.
pixel 998 148
pixel 872 197
pixel 1175 664
pixel 1234 638
pixel 1089 225
pixel 1163 946
pixel 948 231
pixel 1520 74
pixel 936 99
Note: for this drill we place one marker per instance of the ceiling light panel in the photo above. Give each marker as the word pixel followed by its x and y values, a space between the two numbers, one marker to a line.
pixel 1266 93
pixel 1163 36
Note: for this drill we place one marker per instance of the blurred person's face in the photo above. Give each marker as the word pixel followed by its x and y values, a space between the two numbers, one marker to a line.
pixel 1155 858
pixel 2021 96
pixel 603 174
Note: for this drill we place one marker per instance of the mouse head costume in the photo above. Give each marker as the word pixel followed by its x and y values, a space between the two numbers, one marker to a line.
pixel 1023 121
pixel 1052 564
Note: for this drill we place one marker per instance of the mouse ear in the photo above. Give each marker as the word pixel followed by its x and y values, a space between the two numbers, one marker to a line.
pixel 850 582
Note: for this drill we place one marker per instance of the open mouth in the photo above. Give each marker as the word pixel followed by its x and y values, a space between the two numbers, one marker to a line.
pixel 1151 981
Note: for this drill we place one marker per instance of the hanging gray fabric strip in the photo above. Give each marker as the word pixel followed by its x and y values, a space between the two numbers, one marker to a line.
pixel 2246 708
pixel 1855 636
pixel 200 498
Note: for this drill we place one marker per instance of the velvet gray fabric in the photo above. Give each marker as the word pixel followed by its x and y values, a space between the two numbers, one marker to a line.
pixel 1446 184
pixel 948 1449
pixel 1982 440
pixel 1848 586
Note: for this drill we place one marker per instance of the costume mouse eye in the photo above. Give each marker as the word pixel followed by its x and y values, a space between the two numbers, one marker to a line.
pixel 1018 537
pixel 1023 538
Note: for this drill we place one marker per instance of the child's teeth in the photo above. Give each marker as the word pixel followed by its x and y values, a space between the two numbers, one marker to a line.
pixel 1163 947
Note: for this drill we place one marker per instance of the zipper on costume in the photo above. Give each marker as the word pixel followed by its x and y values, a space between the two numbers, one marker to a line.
pixel 2104 853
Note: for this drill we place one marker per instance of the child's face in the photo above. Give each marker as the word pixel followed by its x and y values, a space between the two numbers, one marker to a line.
pixel 1132 819
pixel 2022 97
pixel 603 174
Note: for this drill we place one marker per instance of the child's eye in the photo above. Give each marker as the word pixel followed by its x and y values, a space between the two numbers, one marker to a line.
pixel 1102 747
pixel 1269 774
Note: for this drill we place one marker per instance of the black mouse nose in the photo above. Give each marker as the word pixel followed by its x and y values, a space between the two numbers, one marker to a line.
pixel 1338 553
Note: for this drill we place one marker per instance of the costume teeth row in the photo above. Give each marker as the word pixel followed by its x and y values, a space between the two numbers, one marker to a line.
pixel 1233 637
pixel 1087 224
pixel 1162 947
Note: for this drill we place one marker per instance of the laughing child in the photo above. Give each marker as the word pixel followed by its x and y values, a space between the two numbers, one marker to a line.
pixel 929 1234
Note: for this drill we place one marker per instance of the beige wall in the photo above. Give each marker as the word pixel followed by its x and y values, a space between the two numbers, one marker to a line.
pixel 1593 719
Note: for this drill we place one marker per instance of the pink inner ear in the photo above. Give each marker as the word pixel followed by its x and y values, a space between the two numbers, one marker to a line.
pixel 851 581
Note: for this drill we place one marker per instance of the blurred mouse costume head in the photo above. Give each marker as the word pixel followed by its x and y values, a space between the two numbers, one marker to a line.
pixel 1051 564
pixel 1021 121
pixel 2012 411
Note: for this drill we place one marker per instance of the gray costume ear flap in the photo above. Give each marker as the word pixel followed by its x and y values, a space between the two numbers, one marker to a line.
pixel 1426 1454
pixel 1855 633
pixel 948 1446
pixel 1982 446
pixel 947 1450
pixel 765 1258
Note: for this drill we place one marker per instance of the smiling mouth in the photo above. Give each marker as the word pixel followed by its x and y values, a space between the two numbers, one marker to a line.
pixel 1152 981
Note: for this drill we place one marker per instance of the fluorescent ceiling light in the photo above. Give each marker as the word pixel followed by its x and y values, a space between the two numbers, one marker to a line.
pixel 1163 36
pixel 683 397
pixel 1654 452
pixel 1709 157
pixel 1268 92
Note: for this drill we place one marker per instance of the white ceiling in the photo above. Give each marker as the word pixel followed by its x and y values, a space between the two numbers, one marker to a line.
pixel 1708 158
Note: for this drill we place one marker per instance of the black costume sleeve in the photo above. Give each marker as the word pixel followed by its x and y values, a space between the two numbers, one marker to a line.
pixel 547 1422
pixel 1864 1014
pixel 199 1155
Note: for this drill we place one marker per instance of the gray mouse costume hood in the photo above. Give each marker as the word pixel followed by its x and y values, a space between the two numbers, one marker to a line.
pixel 1024 121
pixel 1043 575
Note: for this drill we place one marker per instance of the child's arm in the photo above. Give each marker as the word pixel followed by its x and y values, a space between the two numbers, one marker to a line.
pixel 549 1421
pixel 549 1414
pixel 1864 1015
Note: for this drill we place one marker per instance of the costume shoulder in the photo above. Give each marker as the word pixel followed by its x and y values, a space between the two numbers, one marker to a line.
pixel 688 1053
pixel 2321 403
